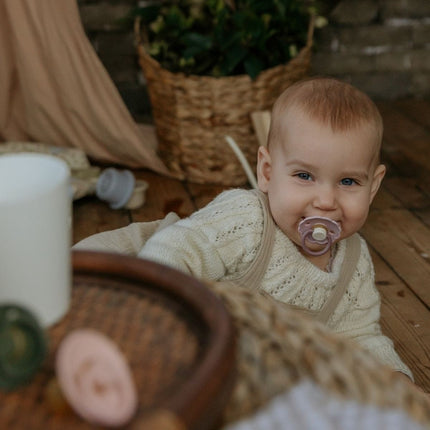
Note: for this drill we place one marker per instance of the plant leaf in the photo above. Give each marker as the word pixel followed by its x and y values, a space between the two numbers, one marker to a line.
pixel 211 37
pixel 253 66
pixel 197 40
pixel 232 58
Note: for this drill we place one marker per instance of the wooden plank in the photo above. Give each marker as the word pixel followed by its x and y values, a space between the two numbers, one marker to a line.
pixel 407 191
pixel 399 193
pixel 399 128
pixel 424 216
pixel 385 200
pixel 91 216
pixel 417 110
pixel 203 194
pixel 405 320
pixel 407 146
pixel 404 243
pixel 406 168
pixel 163 195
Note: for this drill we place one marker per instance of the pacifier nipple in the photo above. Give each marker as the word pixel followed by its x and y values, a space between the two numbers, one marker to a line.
pixel 320 231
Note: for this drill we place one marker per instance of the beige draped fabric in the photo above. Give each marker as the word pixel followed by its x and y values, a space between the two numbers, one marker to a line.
pixel 55 90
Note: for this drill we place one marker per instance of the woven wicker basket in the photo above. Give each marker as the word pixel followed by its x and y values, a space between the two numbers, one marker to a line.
pixel 192 114
pixel 278 348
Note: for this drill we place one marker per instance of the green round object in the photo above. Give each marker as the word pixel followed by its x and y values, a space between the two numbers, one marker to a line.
pixel 23 346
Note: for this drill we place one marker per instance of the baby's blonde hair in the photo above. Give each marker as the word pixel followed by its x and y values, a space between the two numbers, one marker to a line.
pixel 328 101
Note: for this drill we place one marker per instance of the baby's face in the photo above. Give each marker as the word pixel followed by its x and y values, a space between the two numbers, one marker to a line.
pixel 317 172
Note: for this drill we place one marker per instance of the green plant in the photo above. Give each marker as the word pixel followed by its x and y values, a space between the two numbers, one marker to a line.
pixel 224 37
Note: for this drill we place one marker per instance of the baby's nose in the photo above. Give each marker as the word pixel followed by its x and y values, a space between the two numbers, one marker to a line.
pixel 325 198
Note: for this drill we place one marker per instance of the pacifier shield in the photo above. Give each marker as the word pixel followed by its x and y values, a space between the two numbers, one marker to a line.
pixel 23 346
pixel 318 230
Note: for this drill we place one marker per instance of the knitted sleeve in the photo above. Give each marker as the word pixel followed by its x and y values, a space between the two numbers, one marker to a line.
pixel 213 243
pixel 358 314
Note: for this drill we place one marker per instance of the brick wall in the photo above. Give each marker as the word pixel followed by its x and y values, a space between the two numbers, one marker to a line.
pixel 381 46
pixel 114 44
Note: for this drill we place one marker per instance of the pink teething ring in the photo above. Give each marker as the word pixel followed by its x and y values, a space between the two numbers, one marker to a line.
pixel 318 230
pixel 95 378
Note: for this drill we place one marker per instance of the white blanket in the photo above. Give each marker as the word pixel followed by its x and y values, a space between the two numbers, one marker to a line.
pixel 308 407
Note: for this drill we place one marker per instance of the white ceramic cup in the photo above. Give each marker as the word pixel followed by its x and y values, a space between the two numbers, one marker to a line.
pixel 35 234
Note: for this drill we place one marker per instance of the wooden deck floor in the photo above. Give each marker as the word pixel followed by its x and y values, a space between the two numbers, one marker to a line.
pixel 397 231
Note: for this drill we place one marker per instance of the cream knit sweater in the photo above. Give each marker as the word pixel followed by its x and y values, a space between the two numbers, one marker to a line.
pixel 219 242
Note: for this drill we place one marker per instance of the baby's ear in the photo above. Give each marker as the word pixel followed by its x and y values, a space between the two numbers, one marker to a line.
pixel 378 175
pixel 264 168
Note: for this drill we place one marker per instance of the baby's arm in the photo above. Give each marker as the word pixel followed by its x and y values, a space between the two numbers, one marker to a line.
pixel 358 315
pixel 216 242
pixel 185 249
pixel 380 346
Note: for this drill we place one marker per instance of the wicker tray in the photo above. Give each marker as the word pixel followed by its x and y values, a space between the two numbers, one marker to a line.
pixel 176 334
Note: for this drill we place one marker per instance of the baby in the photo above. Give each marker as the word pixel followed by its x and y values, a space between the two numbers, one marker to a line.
pixel 317 178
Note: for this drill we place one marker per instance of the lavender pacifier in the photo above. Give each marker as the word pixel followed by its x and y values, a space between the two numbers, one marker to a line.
pixel 319 230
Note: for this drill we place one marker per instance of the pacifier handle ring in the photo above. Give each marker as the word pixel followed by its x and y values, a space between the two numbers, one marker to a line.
pixel 315 253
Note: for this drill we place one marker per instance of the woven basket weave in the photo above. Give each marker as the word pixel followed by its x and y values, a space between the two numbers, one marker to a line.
pixel 192 114
pixel 278 348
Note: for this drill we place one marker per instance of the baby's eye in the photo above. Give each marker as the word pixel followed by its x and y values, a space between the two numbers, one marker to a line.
pixel 305 176
pixel 348 181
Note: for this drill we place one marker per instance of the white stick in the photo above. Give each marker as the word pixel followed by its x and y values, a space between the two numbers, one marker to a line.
pixel 243 161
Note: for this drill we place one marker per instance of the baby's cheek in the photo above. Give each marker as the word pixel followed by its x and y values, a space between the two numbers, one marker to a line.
pixel 356 211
